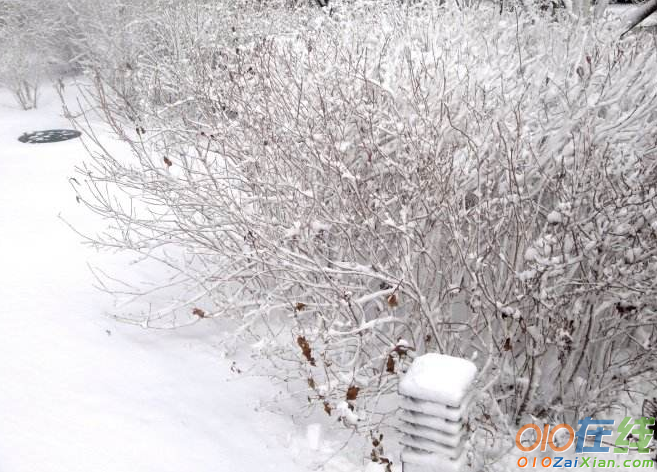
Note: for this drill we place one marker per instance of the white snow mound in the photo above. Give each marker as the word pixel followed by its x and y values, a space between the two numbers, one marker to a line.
pixel 438 378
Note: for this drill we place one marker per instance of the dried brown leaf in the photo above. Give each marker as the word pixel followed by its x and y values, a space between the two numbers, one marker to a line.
pixel 352 392
pixel 392 300
pixel 390 365
pixel 305 350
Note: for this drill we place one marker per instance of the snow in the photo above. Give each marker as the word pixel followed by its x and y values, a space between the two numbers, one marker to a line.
pixel 531 254
pixel 435 422
pixel 438 378
pixel 314 436
pixel 421 444
pixel 80 391
pixel 349 417
pixel 526 275
pixel 375 467
pixel 434 409
pixel 554 217
pixel 431 436
pixel 426 462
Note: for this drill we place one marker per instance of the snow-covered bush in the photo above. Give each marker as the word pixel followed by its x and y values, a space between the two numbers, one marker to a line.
pixel 111 37
pixel 47 39
pixel 358 187
pixel 21 61
pixel 37 45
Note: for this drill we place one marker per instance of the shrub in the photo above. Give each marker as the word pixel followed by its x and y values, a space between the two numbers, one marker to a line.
pixel 38 45
pixel 21 66
pixel 358 187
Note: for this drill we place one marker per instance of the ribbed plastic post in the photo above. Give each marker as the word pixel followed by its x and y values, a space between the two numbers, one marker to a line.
pixel 434 403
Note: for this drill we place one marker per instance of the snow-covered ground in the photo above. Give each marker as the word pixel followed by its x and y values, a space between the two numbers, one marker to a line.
pixel 82 392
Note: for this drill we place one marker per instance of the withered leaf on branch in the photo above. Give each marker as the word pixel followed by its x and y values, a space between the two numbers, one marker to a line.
pixel 327 408
pixel 305 350
pixel 390 365
pixel 507 344
pixel 198 312
pixel 311 382
pixel 392 300
pixel 352 392
pixel 168 162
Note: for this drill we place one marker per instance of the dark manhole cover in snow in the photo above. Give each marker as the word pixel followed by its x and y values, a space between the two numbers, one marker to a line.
pixel 49 136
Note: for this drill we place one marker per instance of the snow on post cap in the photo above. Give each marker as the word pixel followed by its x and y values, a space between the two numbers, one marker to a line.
pixel 438 378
